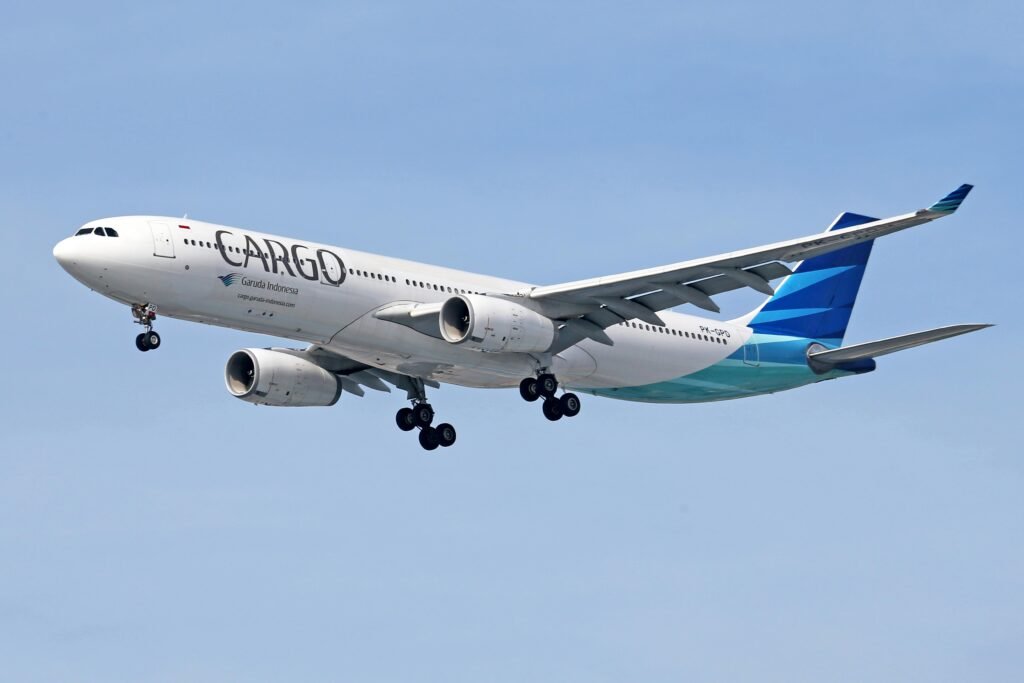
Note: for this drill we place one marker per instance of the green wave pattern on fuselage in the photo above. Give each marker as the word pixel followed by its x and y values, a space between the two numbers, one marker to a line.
pixel 764 365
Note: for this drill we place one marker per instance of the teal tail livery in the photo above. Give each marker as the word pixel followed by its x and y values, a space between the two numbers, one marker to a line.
pixel 371 322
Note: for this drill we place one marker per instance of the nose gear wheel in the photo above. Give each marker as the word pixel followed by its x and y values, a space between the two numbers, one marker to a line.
pixel 144 315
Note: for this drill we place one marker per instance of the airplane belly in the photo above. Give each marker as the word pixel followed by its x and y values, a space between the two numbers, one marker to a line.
pixel 400 349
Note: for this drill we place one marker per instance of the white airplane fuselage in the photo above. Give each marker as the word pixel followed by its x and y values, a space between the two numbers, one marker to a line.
pixel 327 295
pixel 371 321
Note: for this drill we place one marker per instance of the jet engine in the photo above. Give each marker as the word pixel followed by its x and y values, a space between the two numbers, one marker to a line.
pixel 278 378
pixel 494 325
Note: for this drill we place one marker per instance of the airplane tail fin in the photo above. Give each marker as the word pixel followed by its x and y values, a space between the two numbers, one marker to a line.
pixel 816 301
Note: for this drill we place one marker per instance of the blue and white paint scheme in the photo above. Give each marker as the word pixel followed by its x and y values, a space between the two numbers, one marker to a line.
pixel 374 322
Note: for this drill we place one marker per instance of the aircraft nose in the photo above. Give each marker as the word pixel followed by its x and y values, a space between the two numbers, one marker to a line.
pixel 64 253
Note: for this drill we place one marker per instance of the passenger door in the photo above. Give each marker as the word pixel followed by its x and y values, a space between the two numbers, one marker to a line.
pixel 163 245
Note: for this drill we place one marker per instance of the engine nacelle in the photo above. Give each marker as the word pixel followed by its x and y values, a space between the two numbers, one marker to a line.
pixel 495 325
pixel 276 378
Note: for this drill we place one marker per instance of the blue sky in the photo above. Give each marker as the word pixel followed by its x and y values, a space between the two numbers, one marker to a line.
pixel 154 528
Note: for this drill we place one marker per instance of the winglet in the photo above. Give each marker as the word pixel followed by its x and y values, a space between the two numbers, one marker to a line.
pixel 951 202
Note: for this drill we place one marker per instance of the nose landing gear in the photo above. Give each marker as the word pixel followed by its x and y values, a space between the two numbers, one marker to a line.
pixel 421 415
pixel 544 386
pixel 144 315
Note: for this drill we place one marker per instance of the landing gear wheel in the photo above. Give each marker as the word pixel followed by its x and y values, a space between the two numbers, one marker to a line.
pixel 144 315
pixel 528 389
pixel 552 409
pixel 547 385
pixel 445 434
pixel 423 415
pixel 428 438
pixel 570 405
pixel 404 420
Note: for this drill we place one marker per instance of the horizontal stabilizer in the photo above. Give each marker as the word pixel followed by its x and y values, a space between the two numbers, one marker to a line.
pixel 857 352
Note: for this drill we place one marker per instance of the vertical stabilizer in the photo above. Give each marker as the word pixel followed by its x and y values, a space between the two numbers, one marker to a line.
pixel 816 301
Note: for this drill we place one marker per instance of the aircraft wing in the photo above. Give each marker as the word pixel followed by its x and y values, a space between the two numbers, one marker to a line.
pixel 354 376
pixel 604 301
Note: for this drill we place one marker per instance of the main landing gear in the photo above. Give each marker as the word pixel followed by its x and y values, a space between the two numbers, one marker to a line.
pixel 144 315
pixel 421 415
pixel 544 387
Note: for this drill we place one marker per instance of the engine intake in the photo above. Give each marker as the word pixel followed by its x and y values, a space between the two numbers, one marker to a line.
pixel 277 378
pixel 494 325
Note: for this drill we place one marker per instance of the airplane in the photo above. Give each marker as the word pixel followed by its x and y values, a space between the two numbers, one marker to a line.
pixel 374 322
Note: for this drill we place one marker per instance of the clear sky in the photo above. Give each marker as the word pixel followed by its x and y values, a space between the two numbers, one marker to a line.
pixel 154 528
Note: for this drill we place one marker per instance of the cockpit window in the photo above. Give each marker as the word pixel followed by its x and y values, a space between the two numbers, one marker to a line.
pixel 111 232
pixel 83 231
pixel 99 232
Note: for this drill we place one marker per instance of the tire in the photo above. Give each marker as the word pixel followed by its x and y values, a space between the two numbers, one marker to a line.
pixel 547 385
pixel 552 409
pixel 423 415
pixel 152 340
pixel 404 420
pixel 528 389
pixel 570 405
pixel 428 438
pixel 140 343
pixel 445 434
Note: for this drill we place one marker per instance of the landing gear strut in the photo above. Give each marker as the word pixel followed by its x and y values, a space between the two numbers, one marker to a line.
pixel 544 386
pixel 421 415
pixel 144 315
